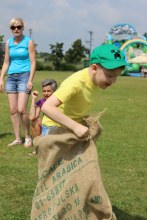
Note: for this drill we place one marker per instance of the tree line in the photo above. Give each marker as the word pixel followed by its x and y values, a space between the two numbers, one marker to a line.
pixel 58 60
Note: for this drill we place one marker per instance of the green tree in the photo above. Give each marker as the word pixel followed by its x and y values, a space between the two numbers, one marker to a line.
pixel 145 34
pixel 76 52
pixel 2 50
pixel 44 55
pixel 1 38
pixel 56 55
pixel 1 57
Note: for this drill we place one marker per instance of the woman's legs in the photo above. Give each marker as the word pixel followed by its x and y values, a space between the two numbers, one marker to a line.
pixel 13 100
pixel 16 87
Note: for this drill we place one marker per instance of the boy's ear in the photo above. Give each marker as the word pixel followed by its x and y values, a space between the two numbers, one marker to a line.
pixel 94 66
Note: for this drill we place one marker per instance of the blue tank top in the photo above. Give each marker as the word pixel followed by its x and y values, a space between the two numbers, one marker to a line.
pixel 19 56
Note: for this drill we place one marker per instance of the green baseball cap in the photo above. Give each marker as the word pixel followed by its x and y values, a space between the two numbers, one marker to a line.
pixel 109 56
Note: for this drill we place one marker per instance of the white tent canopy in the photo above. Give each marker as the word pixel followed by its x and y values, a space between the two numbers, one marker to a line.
pixel 140 59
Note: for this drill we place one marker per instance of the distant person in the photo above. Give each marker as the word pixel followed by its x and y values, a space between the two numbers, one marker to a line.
pixel 20 63
pixel 144 71
pixel 38 125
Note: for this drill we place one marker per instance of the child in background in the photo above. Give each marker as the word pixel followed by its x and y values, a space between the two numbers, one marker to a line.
pixel 38 125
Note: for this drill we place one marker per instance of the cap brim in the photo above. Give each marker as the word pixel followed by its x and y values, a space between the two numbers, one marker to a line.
pixel 113 65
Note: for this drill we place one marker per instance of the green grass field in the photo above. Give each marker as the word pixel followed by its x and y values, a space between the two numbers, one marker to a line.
pixel 121 149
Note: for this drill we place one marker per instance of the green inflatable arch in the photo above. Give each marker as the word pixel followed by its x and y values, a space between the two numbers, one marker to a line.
pixel 133 67
pixel 134 41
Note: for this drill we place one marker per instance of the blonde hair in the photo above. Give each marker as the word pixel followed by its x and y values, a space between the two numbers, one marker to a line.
pixel 15 21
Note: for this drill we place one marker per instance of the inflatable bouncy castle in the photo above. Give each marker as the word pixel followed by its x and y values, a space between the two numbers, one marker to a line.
pixel 126 38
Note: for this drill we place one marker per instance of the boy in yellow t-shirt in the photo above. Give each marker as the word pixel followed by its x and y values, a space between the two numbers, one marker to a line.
pixel 76 95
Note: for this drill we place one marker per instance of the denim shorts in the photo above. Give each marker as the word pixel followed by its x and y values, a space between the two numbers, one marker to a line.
pixel 17 82
pixel 46 130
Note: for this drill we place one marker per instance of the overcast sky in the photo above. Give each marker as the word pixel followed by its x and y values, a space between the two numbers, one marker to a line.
pixel 65 21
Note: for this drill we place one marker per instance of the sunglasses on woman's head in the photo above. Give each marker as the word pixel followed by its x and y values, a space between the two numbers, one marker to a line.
pixel 14 27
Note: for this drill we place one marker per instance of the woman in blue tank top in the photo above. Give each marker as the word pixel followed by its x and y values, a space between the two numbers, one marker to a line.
pixel 20 63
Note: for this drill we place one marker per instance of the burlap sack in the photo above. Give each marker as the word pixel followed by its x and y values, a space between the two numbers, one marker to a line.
pixel 70 185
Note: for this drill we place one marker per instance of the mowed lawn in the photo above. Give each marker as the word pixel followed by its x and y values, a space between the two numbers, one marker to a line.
pixel 121 149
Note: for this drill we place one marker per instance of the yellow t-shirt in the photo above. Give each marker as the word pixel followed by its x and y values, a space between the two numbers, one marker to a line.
pixel 77 94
